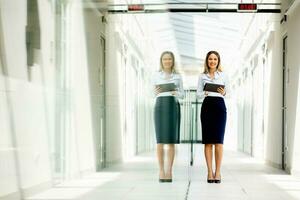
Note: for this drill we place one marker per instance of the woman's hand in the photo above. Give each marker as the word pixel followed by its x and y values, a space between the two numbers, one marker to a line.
pixel 157 90
pixel 173 93
pixel 221 91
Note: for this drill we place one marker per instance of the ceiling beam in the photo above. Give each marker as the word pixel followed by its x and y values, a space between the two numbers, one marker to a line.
pixel 190 8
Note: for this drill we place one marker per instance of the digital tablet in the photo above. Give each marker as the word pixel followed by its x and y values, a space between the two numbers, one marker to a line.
pixel 212 87
pixel 167 87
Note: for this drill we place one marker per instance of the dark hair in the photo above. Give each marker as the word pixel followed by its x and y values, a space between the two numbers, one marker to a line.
pixel 206 68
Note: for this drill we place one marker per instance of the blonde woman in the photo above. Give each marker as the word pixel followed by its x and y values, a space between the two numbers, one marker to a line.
pixel 213 114
pixel 167 113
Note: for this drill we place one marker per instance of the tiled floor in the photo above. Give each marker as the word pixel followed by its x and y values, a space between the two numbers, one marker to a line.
pixel 242 178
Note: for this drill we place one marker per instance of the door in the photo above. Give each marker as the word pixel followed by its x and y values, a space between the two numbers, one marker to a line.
pixel 258 110
pixel 131 94
pixel 285 79
pixel 247 114
pixel 100 115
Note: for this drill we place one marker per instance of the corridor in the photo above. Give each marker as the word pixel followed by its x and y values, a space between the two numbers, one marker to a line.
pixel 79 86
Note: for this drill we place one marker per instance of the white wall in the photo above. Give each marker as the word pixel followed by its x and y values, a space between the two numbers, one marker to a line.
pixel 128 37
pixel 95 33
pixel 292 29
pixel 82 150
pixel 8 173
pixel 7 152
pixel 114 115
pixel 28 117
pixel 24 118
pixel 273 103
pixel 272 34
pixel 263 30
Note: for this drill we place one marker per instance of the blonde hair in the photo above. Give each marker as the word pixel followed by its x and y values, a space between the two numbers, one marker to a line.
pixel 206 67
pixel 161 68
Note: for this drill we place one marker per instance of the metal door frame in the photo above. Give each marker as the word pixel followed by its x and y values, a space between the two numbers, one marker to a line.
pixel 285 80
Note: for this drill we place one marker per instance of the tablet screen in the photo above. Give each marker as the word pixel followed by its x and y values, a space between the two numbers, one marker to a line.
pixel 211 87
pixel 167 87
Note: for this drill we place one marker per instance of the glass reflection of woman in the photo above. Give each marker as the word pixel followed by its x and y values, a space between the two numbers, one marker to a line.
pixel 167 114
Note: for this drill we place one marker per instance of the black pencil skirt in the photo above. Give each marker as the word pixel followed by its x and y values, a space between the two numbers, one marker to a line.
pixel 213 120
pixel 167 120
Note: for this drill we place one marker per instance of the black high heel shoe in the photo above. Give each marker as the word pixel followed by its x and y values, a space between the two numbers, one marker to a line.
pixel 169 180
pixel 210 180
pixel 218 180
pixel 161 180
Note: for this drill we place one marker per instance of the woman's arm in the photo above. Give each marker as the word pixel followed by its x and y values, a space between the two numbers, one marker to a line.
pixel 156 90
pixel 180 92
pixel 200 93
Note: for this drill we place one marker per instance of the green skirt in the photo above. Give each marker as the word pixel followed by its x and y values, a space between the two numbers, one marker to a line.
pixel 167 120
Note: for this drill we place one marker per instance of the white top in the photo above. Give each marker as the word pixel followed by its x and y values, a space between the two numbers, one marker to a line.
pixel 161 78
pixel 220 78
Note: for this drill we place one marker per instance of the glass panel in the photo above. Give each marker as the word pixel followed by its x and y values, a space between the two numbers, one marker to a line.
pixel 190 118
pixel 58 140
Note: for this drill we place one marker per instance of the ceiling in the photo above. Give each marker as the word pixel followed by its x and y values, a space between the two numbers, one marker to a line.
pixel 191 35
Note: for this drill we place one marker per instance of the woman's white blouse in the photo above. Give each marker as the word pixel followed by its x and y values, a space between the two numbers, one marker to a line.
pixel 220 78
pixel 160 78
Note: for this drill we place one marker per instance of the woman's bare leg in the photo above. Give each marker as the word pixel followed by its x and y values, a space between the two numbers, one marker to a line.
pixel 160 157
pixel 208 157
pixel 218 159
pixel 171 155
